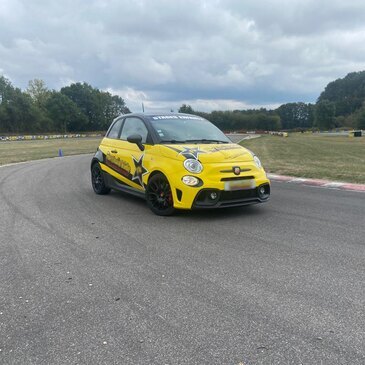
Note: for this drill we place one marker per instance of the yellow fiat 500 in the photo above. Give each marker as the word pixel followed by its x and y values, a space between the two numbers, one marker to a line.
pixel 177 161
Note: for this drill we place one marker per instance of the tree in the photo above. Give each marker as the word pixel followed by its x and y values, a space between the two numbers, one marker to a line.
pixel 296 115
pixel 360 118
pixel 186 109
pixel 38 92
pixel 84 97
pixel 6 90
pixel 118 106
pixel 112 106
pixel 325 115
pixel 347 94
pixel 99 107
pixel 76 107
pixel 18 113
pixel 64 113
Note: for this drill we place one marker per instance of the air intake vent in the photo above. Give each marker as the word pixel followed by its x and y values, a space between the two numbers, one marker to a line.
pixel 237 178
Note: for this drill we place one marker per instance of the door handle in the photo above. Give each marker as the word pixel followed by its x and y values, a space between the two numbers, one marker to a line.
pixel 114 151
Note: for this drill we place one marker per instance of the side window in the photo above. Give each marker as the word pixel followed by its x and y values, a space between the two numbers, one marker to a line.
pixel 134 126
pixel 114 131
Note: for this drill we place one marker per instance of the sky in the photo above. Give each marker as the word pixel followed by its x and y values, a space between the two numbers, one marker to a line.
pixel 212 55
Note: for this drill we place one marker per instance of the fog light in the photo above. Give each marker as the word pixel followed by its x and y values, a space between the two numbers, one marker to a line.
pixel 213 195
pixel 263 191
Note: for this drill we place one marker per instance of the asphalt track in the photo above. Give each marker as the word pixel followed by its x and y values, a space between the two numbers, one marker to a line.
pixel 87 279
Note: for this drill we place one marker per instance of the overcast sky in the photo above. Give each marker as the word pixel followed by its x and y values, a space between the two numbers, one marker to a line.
pixel 228 54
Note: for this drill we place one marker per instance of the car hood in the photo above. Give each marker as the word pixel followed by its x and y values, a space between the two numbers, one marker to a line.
pixel 207 153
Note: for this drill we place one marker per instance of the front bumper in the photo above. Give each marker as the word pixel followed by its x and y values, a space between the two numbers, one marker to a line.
pixel 220 178
pixel 225 199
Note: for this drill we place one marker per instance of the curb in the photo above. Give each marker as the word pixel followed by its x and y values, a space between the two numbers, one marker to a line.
pixel 318 183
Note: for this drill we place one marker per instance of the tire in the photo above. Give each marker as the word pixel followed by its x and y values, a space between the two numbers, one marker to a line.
pixel 97 180
pixel 159 196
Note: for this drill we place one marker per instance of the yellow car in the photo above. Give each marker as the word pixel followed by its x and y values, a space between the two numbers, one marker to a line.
pixel 177 161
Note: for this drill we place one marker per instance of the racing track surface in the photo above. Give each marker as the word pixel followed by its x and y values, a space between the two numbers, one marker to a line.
pixel 87 279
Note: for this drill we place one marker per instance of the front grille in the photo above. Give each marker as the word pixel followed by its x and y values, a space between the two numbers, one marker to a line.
pixel 237 178
pixel 224 198
pixel 214 198
pixel 230 171
pixel 238 194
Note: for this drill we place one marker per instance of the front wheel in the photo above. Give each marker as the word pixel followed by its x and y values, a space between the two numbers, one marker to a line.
pixel 97 180
pixel 159 195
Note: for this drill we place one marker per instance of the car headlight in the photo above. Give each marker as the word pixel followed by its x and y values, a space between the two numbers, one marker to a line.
pixel 193 165
pixel 257 162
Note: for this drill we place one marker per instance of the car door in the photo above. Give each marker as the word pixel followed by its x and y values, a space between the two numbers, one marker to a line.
pixel 109 146
pixel 133 163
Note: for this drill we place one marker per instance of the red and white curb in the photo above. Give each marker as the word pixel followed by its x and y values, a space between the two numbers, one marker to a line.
pixel 318 183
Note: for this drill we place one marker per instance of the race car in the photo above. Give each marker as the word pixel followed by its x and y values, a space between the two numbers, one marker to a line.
pixel 177 161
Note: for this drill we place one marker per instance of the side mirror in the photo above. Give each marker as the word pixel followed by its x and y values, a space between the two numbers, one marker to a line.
pixel 137 139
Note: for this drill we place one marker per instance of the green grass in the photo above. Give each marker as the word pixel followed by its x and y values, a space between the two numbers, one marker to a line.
pixel 18 151
pixel 338 158
pixel 302 155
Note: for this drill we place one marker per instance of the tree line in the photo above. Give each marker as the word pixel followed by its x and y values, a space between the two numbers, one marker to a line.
pixel 341 104
pixel 81 107
pixel 78 107
pixel 261 119
pixel 287 116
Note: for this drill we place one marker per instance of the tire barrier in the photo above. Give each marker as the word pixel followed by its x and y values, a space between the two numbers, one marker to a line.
pixel 51 136
pixel 355 134
pixel 280 134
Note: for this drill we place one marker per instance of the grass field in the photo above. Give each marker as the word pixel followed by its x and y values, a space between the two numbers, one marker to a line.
pixel 338 158
pixel 302 155
pixel 19 151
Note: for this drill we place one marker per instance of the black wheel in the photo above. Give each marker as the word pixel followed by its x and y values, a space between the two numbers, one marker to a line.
pixel 159 195
pixel 97 180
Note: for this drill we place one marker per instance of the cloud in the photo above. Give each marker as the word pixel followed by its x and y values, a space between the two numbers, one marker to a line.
pixel 213 54
pixel 157 102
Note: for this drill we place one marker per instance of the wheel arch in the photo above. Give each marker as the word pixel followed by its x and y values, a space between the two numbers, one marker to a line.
pixel 98 157
pixel 153 197
pixel 159 171
pixel 155 172
pixel 94 161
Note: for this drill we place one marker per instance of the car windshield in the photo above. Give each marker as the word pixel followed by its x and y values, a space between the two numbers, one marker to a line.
pixel 187 129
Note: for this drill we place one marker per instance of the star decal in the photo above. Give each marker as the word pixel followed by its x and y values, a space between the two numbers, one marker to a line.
pixel 140 170
pixel 190 152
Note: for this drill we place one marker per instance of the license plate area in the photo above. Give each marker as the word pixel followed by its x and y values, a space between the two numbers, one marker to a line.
pixel 239 185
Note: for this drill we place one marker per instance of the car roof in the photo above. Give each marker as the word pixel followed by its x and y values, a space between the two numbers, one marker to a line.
pixel 150 115
pixel 156 114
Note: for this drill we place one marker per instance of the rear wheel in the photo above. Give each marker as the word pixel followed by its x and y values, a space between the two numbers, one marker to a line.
pixel 97 180
pixel 159 195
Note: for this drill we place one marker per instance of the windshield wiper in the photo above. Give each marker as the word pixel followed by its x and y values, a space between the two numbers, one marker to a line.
pixel 171 141
pixel 204 140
